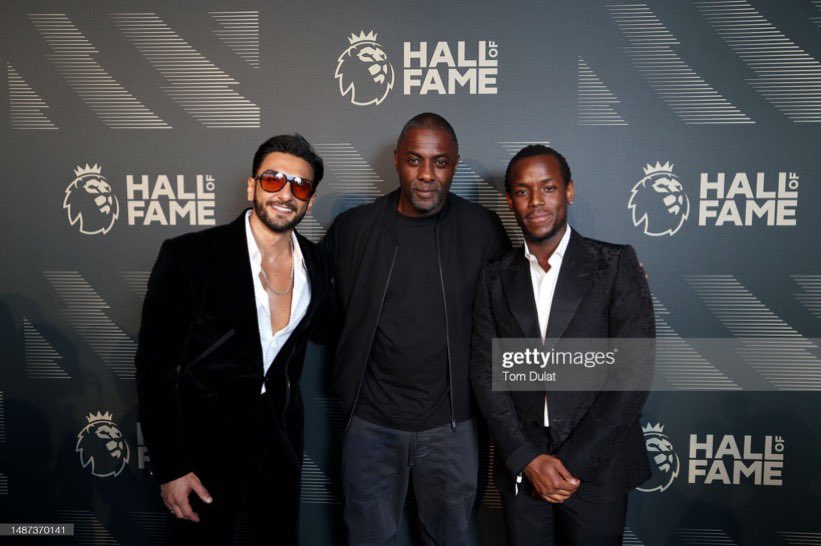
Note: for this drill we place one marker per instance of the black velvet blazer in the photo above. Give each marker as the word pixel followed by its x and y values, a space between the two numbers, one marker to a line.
pixel 199 359
pixel 601 293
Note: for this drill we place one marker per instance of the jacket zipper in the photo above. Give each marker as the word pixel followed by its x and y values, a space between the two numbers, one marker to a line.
pixel 373 336
pixel 447 329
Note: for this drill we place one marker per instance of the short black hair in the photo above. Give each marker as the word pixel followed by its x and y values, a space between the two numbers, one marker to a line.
pixel 534 150
pixel 294 144
pixel 428 120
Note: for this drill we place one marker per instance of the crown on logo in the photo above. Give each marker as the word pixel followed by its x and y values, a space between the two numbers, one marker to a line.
pixel 107 416
pixel 658 427
pixel 79 171
pixel 362 37
pixel 658 168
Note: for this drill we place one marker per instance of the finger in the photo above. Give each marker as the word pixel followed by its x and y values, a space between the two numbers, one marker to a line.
pixel 556 481
pixel 563 492
pixel 188 513
pixel 557 498
pixel 201 491
pixel 177 512
pixel 566 475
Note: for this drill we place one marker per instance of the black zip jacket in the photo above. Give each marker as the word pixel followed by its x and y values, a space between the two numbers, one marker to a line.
pixel 363 244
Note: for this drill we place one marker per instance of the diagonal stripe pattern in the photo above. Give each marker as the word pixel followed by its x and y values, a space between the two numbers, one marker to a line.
pixel 650 49
pixel 85 312
pixel 240 32
pixel 595 100
pixel 680 364
pixel 786 75
pixel 770 346
pixel 26 106
pixel 73 55
pixel 197 85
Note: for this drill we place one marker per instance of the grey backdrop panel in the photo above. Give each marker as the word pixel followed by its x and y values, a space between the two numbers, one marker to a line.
pixel 686 90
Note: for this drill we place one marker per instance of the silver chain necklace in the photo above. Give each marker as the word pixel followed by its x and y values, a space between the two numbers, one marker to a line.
pixel 266 284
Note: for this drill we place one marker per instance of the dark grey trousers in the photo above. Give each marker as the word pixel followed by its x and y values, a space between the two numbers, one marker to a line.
pixel 377 464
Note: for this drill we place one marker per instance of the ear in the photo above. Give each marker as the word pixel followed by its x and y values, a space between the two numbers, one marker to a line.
pixel 310 203
pixel 569 192
pixel 395 160
pixel 252 185
pixel 509 202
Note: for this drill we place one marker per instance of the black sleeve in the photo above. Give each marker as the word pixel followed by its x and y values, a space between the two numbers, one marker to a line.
pixel 499 240
pixel 326 327
pixel 497 407
pixel 611 415
pixel 166 317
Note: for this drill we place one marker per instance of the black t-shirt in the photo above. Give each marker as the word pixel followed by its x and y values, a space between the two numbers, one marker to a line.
pixel 406 382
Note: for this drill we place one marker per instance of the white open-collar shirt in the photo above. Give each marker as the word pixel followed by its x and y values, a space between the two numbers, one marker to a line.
pixel 270 341
pixel 544 288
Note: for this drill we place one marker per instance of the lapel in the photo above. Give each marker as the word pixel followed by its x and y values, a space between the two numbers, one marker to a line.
pixel 518 289
pixel 574 281
pixel 315 280
pixel 240 284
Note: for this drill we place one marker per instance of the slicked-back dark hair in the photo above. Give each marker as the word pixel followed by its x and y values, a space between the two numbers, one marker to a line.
pixel 295 145
pixel 534 150
pixel 428 120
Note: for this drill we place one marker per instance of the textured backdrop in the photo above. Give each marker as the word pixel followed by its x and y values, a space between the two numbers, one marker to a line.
pixel 692 130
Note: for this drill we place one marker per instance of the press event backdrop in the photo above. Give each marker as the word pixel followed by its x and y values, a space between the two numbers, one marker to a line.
pixel 692 129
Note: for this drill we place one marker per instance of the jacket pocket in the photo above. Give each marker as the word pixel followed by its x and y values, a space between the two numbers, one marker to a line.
pixel 216 345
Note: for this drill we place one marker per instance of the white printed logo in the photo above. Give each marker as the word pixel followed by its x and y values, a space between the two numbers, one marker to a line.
pixel 363 70
pixel 101 446
pixel 658 202
pixel 663 458
pixel 90 202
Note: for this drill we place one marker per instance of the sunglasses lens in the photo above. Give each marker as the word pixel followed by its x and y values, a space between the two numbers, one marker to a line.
pixel 272 182
pixel 302 190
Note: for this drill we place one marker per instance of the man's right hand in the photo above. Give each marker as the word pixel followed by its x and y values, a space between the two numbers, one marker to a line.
pixel 175 496
pixel 550 479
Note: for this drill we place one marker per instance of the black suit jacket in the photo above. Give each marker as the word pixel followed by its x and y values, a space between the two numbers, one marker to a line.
pixel 601 293
pixel 199 359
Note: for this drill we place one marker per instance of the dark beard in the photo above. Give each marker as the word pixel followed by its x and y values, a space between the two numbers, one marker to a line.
pixel 262 214
pixel 426 207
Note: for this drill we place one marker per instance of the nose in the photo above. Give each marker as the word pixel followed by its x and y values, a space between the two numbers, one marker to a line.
pixel 426 172
pixel 285 194
pixel 536 199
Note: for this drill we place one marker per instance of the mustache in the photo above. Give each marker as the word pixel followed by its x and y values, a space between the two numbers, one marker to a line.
pixel 286 204
pixel 435 185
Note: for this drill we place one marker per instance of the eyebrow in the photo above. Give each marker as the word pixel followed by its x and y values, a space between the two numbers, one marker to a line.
pixel 411 152
pixel 542 181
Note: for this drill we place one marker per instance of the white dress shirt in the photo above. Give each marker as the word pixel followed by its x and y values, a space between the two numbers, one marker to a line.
pixel 544 287
pixel 271 341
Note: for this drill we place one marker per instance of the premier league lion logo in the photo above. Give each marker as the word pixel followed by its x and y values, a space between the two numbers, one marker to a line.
pixel 658 201
pixel 363 70
pixel 90 202
pixel 101 446
pixel 662 457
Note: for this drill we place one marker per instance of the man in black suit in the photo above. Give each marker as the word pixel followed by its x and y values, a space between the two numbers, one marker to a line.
pixel 568 459
pixel 224 329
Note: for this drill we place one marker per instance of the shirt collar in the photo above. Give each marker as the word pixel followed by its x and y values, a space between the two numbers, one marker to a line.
pixel 557 255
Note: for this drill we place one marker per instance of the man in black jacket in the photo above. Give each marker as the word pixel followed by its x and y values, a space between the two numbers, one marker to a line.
pixel 567 459
pixel 221 347
pixel 406 270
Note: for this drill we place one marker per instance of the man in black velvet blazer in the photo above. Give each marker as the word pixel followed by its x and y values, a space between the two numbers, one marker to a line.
pixel 219 403
pixel 566 460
